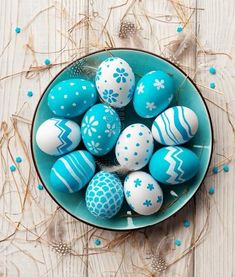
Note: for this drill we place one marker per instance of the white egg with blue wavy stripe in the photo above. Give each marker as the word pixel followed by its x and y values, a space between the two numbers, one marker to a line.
pixel 73 171
pixel 57 136
pixel 175 126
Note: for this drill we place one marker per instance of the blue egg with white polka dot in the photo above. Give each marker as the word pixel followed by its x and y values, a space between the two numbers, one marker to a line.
pixel 104 195
pixel 100 129
pixel 72 97
pixel 73 171
pixel 153 94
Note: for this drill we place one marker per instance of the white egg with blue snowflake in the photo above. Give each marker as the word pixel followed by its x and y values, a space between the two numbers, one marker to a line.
pixel 153 94
pixel 104 195
pixel 57 136
pixel 72 97
pixel 100 129
pixel 134 147
pixel 115 82
pixel 143 194
pixel 175 126
pixel 73 171
pixel 173 165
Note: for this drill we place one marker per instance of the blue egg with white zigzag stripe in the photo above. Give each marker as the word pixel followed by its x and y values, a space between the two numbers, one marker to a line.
pixel 73 171
pixel 173 165
pixel 175 126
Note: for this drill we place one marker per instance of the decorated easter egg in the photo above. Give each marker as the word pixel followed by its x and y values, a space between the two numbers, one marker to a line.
pixel 104 195
pixel 72 97
pixel 143 193
pixel 115 82
pixel 134 147
pixel 73 171
pixel 173 165
pixel 175 126
pixel 100 129
pixel 153 94
pixel 57 136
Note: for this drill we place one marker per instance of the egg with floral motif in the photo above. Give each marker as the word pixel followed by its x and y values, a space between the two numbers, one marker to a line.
pixel 143 193
pixel 100 129
pixel 153 94
pixel 115 82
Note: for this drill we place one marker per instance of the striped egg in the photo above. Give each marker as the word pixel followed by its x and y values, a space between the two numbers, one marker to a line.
pixel 73 171
pixel 177 125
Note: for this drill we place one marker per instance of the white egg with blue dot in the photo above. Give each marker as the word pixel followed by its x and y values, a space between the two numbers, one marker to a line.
pixel 104 195
pixel 72 97
pixel 173 165
pixel 175 126
pixel 57 136
pixel 143 194
pixel 100 129
pixel 134 147
pixel 153 94
pixel 73 171
pixel 115 82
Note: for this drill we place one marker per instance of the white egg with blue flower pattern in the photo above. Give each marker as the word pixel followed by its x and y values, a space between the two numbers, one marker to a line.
pixel 153 94
pixel 143 193
pixel 72 97
pixel 175 126
pixel 73 171
pixel 100 129
pixel 134 147
pixel 57 136
pixel 115 82
pixel 104 195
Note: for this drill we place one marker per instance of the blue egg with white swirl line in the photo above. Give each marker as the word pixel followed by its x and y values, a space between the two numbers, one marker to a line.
pixel 173 165
pixel 175 126
pixel 104 195
pixel 153 94
pixel 100 129
pixel 57 136
pixel 73 171
pixel 72 97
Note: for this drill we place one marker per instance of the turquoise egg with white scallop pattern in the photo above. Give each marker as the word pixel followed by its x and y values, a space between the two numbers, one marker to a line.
pixel 173 165
pixel 104 195
pixel 176 125
pixel 115 82
pixel 72 97
pixel 73 171
pixel 153 94
pixel 100 129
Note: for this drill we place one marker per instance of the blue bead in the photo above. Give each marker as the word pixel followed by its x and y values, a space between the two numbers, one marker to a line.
pixel 226 168
pixel 186 223
pixel 212 70
pixel 12 168
pixel 179 29
pixel 215 169
pixel 211 190
pixel 29 93
pixel 97 242
pixel 212 85
pixel 47 62
pixel 40 187
pixel 17 30
pixel 177 242
pixel 18 159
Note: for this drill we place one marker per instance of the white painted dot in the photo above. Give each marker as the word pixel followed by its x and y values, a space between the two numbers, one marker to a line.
pixel 104 117
pixel 92 85
pixel 54 111
pixel 62 107
pixel 74 104
pixel 92 96
pixel 72 84
pixel 77 93
pixel 99 137
pixel 65 96
pixel 84 102
pixel 84 87
pixel 59 88
pixel 68 114
pixel 52 97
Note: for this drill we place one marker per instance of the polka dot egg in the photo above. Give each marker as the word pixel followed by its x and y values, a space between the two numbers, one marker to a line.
pixel 134 147
pixel 143 193
pixel 115 82
pixel 71 98
pixel 104 195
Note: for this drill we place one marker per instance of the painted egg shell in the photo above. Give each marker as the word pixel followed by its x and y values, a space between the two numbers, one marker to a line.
pixel 153 94
pixel 73 171
pixel 72 97
pixel 175 126
pixel 115 82
pixel 104 195
pixel 134 147
pixel 100 129
pixel 173 165
pixel 143 193
pixel 57 136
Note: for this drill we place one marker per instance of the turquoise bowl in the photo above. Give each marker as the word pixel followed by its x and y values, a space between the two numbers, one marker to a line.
pixel 186 94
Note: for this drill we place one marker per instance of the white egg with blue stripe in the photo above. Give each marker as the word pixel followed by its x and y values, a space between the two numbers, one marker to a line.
pixel 73 171
pixel 175 126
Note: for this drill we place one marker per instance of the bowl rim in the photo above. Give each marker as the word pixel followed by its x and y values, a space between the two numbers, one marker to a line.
pixel 33 124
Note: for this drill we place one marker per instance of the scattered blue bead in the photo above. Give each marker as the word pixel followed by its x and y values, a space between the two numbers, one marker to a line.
pixel 211 190
pixel 212 85
pixel 179 29
pixel 97 242
pixel 47 62
pixel 29 93
pixel 17 30
pixel 40 187
pixel 18 159
pixel 12 168
pixel 212 70
pixel 215 170
pixel 186 223
pixel 226 168
pixel 177 242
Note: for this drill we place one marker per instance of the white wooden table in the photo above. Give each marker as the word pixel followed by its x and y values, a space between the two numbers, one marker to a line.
pixel 31 223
